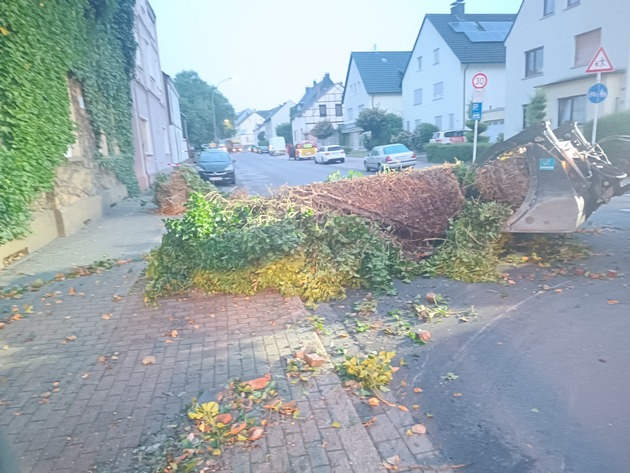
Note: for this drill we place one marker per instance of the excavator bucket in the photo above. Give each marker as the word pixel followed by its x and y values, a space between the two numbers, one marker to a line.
pixel 568 179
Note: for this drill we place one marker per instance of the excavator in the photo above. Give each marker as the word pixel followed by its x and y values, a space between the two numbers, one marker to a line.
pixel 569 178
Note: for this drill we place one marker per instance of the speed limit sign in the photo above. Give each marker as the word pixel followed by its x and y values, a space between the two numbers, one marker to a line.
pixel 479 80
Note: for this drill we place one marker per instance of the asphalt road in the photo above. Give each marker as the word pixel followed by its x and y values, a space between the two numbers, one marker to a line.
pixel 542 374
pixel 260 172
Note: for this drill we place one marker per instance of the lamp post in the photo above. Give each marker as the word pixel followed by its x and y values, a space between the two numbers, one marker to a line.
pixel 214 114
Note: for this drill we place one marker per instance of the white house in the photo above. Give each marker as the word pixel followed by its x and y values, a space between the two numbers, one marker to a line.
pixel 150 112
pixel 550 46
pixel 277 116
pixel 321 102
pixel 449 51
pixel 373 80
pixel 247 123
pixel 177 143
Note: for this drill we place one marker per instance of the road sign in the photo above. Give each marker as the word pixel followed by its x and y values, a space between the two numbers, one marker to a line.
pixel 479 80
pixel 600 63
pixel 598 93
pixel 475 111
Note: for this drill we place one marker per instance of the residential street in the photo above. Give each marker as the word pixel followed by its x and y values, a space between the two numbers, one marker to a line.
pixel 538 379
pixel 258 172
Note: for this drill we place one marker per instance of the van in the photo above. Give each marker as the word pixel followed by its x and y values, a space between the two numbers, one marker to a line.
pixel 277 146
pixel 448 137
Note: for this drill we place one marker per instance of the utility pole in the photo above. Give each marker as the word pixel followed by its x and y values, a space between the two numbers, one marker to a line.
pixel 214 113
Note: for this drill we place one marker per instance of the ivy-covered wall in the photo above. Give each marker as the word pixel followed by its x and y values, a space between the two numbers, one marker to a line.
pixel 45 45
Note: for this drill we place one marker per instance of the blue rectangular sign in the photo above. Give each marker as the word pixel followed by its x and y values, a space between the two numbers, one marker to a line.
pixel 475 111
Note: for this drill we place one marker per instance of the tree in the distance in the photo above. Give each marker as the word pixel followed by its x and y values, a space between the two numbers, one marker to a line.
pixel 262 139
pixel 284 130
pixel 535 111
pixel 379 126
pixel 323 130
pixel 196 101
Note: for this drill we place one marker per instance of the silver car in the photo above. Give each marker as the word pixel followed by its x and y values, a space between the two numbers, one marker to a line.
pixel 330 154
pixel 394 156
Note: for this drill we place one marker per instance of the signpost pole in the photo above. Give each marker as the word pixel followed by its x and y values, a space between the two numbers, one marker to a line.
pixel 475 142
pixel 594 137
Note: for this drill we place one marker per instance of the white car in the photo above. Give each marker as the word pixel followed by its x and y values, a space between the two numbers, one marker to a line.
pixel 330 154
pixel 448 137
pixel 394 156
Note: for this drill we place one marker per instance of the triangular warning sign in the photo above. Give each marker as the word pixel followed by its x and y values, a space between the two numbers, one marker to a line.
pixel 600 63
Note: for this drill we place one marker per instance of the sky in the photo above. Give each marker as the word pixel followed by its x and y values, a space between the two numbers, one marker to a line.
pixel 273 49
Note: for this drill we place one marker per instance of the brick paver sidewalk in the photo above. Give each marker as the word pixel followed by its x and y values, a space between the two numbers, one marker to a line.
pixel 75 394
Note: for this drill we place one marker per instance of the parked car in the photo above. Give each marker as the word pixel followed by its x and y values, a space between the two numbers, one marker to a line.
pixel 448 137
pixel 216 166
pixel 330 154
pixel 393 156
pixel 304 150
pixel 264 149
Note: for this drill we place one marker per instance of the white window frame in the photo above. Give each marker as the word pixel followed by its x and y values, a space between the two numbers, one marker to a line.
pixel 438 90
pixel 532 53
pixel 549 7
pixel 436 56
pixel 584 40
pixel 438 121
pixel 417 97
pixel 419 58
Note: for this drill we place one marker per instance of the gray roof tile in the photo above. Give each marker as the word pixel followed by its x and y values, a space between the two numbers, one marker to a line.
pixel 381 71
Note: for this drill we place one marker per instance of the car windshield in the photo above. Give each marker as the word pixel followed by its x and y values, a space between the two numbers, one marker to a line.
pixel 395 149
pixel 334 148
pixel 214 158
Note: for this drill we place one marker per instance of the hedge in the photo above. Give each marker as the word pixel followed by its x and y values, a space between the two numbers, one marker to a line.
pixel 438 153
pixel 615 124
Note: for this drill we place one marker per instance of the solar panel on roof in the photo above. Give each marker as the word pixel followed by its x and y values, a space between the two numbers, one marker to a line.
pixel 496 25
pixel 486 36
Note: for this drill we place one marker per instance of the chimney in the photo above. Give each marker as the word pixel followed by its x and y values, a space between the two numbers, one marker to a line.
pixel 457 9
pixel 314 83
pixel 327 76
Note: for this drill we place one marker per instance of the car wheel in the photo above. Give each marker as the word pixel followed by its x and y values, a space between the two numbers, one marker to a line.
pixel 342 160
pixel 381 168
pixel 365 165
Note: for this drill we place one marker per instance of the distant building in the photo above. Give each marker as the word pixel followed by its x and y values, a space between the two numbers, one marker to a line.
pixel 549 48
pixel 276 116
pixel 153 152
pixel 373 80
pixel 247 123
pixel 321 102
pixel 449 50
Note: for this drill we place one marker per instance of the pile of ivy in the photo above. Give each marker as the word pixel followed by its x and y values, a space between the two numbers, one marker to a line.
pixel 242 246
pixel 42 44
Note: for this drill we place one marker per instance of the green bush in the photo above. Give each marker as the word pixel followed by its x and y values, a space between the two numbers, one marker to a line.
pixel 437 153
pixel 347 149
pixel 245 246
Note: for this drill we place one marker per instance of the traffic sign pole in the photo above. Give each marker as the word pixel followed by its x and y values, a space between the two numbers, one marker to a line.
pixel 479 82
pixel 594 137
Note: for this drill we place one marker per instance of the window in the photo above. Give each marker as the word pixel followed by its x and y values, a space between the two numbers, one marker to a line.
pixel 417 123
pixel 338 110
pixel 360 108
pixel 451 120
pixel 438 121
pixel 419 58
pixel 322 110
pixel 146 137
pixel 350 114
pixel 572 109
pixel 586 45
pixel 417 97
pixel 533 62
pixel 436 56
pixel 438 90
pixel 549 7
pixel 572 3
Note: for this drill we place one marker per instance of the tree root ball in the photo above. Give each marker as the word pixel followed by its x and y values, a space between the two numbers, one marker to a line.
pixel 504 179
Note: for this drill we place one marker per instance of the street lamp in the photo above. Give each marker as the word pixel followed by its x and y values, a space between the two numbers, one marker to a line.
pixel 214 115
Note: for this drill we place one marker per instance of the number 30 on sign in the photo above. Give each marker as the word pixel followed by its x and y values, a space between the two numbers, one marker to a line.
pixel 480 80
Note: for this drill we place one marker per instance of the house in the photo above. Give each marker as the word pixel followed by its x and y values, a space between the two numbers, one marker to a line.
pixel 321 102
pixel 247 123
pixel 373 80
pixel 550 47
pixel 153 152
pixel 449 50
pixel 277 116
pixel 177 142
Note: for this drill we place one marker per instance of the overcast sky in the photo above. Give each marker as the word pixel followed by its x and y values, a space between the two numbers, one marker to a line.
pixel 273 49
